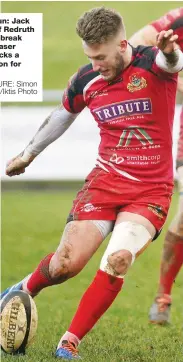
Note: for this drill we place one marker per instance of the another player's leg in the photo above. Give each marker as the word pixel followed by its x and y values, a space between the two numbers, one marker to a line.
pixel 79 241
pixel 172 258
pixel 131 234
pixel 171 262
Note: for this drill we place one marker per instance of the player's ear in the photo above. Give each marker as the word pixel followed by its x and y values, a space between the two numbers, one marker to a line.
pixel 123 45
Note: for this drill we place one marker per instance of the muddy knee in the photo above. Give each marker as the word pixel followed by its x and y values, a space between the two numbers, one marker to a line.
pixel 127 241
pixel 61 265
pixel 119 262
pixel 176 226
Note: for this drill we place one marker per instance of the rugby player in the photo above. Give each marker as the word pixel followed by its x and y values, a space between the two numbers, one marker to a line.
pixel 129 190
pixel 172 256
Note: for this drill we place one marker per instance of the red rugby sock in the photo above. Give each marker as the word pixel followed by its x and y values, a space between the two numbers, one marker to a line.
pixel 96 300
pixel 40 278
pixel 168 276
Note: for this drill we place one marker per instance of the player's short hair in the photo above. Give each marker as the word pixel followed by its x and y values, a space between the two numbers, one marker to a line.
pixel 99 25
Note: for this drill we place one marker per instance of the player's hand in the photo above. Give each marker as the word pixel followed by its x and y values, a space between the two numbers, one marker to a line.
pixel 16 166
pixel 166 41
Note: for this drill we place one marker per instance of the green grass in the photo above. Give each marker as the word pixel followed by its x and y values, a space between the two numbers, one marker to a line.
pixel 62 51
pixel 31 226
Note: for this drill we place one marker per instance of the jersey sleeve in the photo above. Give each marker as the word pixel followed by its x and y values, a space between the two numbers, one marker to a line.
pixel 163 74
pixel 72 99
pixel 146 58
pixel 167 21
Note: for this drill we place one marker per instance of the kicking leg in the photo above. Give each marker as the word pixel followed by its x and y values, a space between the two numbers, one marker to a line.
pixel 131 234
pixel 79 242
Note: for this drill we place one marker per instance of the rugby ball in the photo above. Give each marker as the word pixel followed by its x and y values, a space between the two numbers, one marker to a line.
pixel 18 322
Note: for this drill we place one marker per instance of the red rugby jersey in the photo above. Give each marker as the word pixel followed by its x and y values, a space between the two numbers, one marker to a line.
pixel 134 113
pixel 172 20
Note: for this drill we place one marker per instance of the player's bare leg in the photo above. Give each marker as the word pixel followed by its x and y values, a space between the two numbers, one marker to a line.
pixel 79 242
pixel 171 262
pixel 131 235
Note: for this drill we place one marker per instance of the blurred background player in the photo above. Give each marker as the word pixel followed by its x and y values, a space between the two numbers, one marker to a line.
pixel 134 195
pixel 172 256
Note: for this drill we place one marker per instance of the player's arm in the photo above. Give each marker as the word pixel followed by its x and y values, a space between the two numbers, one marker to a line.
pixel 51 129
pixel 169 57
pixel 145 36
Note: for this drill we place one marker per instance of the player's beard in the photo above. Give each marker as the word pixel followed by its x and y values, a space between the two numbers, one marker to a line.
pixel 116 69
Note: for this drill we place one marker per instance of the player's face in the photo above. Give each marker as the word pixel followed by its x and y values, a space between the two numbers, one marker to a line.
pixel 107 58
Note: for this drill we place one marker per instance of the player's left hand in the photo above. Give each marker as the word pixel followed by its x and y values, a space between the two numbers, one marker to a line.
pixel 166 41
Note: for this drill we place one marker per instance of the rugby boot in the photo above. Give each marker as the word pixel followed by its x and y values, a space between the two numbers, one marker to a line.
pixel 17 286
pixel 67 350
pixel 160 310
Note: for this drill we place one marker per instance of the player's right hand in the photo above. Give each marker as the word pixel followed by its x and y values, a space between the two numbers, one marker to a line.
pixel 16 166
